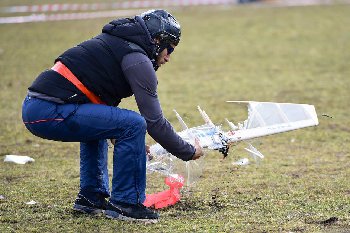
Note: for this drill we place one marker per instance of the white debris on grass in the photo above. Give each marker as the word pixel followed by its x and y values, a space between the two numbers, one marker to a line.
pixel 241 162
pixel 18 159
pixel 31 202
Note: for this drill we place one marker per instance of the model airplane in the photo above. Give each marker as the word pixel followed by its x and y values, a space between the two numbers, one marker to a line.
pixel 264 118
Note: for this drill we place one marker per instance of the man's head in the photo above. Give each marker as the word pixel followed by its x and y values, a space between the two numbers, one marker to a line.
pixel 165 32
pixel 164 56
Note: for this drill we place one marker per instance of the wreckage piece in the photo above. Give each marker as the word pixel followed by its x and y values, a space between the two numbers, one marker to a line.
pixel 18 159
pixel 254 152
pixel 264 118
pixel 168 197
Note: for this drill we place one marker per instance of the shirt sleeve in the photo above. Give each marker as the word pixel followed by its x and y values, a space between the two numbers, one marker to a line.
pixel 139 72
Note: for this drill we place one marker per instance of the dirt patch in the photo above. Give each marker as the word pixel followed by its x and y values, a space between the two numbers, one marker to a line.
pixel 12 179
pixel 329 221
pixel 187 205
pixel 326 222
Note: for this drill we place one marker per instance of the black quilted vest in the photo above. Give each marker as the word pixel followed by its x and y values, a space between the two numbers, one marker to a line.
pixel 96 63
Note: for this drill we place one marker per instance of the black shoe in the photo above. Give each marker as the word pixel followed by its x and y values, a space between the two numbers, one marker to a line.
pixel 84 205
pixel 130 212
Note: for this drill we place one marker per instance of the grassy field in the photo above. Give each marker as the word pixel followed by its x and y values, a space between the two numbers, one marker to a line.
pixel 298 54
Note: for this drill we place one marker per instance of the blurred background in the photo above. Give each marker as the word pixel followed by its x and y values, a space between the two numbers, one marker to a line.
pixel 272 50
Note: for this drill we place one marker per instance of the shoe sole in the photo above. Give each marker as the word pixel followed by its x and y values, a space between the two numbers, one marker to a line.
pixel 114 215
pixel 87 210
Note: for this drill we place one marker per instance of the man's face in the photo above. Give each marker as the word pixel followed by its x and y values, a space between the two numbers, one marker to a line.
pixel 164 56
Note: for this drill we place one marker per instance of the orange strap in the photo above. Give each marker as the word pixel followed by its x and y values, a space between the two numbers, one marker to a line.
pixel 63 70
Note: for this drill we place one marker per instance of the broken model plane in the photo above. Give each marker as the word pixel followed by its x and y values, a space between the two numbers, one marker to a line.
pixel 264 118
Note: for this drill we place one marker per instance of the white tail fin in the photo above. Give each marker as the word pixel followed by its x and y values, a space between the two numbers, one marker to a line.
pixel 232 126
pixel 183 124
pixel 205 117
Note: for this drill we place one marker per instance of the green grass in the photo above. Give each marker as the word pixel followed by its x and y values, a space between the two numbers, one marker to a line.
pixel 298 54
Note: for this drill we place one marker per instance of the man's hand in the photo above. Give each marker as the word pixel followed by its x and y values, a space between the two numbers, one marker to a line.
pixel 148 152
pixel 199 151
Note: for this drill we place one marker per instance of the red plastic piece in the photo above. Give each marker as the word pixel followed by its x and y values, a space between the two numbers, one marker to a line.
pixel 168 197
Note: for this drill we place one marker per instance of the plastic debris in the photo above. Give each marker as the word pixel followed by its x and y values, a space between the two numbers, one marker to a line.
pixel 191 170
pixel 31 202
pixel 18 159
pixel 168 197
pixel 2 197
pixel 241 162
pixel 161 162
pixel 254 152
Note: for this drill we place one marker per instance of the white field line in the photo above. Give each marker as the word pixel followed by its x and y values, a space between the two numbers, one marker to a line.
pixel 289 3
pixel 126 11
pixel 67 16
pixel 110 6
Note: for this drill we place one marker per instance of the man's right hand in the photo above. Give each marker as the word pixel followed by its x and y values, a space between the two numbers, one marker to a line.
pixel 199 150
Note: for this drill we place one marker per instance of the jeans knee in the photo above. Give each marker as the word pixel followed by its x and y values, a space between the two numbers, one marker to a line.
pixel 138 122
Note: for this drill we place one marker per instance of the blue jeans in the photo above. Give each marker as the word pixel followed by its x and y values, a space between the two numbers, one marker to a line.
pixel 92 125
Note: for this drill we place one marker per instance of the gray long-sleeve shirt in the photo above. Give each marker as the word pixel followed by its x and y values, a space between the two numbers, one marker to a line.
pixel 142 78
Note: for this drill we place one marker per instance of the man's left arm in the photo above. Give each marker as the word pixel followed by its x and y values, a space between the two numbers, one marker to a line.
pixel 141 76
